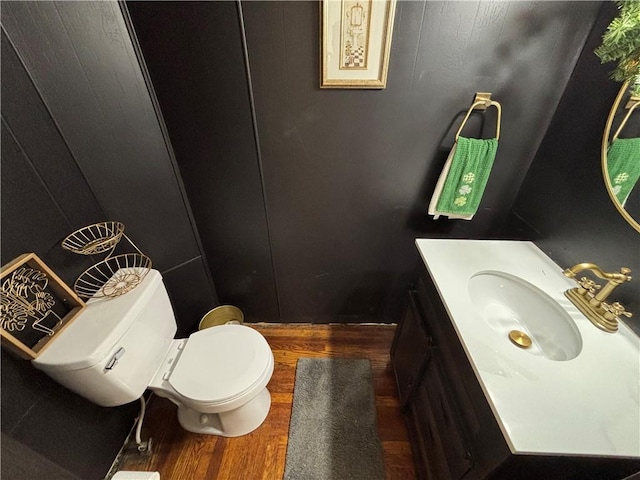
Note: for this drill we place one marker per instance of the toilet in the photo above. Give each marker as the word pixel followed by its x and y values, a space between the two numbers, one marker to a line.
pixel 118 347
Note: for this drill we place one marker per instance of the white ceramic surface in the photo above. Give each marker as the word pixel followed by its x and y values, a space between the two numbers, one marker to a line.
pixel 585 405
pixel 507 303
pixel 133 331
pixel 220 363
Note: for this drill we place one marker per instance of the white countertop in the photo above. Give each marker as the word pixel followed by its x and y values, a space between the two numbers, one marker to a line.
pixel 589 405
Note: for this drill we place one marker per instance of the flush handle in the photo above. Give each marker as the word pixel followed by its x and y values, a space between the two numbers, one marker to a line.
pixel 114 360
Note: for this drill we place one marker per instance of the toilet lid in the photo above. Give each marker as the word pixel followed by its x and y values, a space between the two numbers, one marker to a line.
pixel 220 363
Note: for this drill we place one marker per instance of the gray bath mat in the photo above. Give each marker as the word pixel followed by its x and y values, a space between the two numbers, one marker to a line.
pixel 333 433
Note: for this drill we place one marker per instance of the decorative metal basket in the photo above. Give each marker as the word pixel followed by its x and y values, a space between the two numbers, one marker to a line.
pixel 93 239
pixel 114 276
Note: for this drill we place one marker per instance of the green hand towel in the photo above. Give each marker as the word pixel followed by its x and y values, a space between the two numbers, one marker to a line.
pixel 468 176
pixel 623 166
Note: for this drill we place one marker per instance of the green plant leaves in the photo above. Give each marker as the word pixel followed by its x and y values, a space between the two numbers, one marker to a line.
pixel 621 44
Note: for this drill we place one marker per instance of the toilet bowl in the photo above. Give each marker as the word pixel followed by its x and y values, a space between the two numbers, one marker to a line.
pixel 218 379
pixel 119 347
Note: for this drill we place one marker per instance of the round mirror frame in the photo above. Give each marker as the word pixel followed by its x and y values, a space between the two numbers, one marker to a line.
pixel 605 146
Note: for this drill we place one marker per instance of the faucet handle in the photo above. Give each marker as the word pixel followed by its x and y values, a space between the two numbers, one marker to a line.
pixel 626 271
pixel 616 309
pixel 587 285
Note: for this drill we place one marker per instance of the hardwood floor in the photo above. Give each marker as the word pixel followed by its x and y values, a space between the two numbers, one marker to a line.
pixel 181 455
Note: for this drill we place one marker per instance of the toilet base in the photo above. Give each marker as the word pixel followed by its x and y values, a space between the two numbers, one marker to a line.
pixel 234 423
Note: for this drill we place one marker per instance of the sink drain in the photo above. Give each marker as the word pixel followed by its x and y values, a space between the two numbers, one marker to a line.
pixel 520 339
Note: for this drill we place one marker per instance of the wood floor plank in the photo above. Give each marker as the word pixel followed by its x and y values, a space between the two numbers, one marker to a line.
pixel 181 455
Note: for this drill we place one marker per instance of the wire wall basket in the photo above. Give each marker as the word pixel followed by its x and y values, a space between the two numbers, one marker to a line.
pixel 94 239
pixel 116 274
pixel 113 277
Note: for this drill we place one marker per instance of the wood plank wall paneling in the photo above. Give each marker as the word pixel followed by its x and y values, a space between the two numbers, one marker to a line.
pixel 194 56
pixel 180 455
pixel 80 144
pixel 345 169
pixel 92 84
pixel 44 194
pixel 586 228
pixel 30 122
pixel 40 185
pixel 82 62
pixel 347 174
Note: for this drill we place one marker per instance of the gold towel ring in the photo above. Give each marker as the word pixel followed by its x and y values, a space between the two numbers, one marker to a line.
pixel 487 104
pixel 624 120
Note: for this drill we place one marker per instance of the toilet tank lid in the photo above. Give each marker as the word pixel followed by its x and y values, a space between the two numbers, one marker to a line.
pixel 97 330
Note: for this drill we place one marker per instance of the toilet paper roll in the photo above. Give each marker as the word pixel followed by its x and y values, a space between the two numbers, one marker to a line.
pixel 128 475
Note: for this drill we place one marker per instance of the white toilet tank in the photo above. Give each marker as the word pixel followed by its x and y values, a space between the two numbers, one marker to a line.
pixel 111 351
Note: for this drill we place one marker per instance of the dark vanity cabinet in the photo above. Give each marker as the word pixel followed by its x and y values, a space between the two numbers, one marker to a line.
pixel 453 431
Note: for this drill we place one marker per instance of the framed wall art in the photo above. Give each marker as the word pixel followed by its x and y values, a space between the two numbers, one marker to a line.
pixel 355 43
pixel 36 305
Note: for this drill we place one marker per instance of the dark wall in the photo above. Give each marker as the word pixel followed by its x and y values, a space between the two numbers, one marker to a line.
pixel 194 54
pixel 81 143
pixel 310 213
pixel 308 200
pixel 563 199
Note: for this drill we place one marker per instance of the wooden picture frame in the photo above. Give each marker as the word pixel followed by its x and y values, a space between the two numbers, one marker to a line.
pixel 355 42
pixel 36 306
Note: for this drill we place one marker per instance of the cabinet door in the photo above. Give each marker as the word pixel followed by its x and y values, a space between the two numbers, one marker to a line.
pixel 457 374
pixel 427 441
pixel 443 408
pixel 441 447
pixel 410 351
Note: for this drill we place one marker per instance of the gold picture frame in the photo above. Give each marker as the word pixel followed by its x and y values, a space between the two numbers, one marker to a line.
pixel 36 306
pixel 355 43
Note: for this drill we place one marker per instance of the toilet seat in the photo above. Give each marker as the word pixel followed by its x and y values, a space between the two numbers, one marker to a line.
pixel 220 364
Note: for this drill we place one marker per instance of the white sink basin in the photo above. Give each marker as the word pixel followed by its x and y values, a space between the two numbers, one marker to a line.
pixel 507 303
pixel 588 405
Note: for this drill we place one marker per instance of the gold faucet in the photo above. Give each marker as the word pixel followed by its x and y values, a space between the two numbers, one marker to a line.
pixel 592 304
